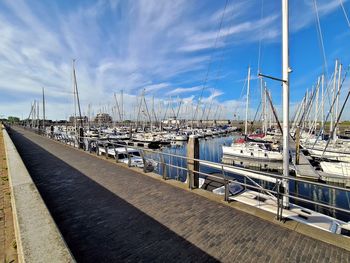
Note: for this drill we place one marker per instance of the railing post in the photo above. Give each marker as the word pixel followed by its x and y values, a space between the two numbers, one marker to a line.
pixel 128 154
pixel 106 150
pixel 226 190
pixel 97 149
pixel 143 160
pixel 89 145
pixel 192 165
pixel 115 153
pixel 280 192
pixel 164 172
pixel 226 183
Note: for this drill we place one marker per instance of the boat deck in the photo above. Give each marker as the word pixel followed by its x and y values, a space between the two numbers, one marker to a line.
pixel 109 213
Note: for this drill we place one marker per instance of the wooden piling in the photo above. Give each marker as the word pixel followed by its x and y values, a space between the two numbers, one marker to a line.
pixel 193 166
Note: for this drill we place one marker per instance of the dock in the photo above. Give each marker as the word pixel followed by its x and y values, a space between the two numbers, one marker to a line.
pixel 304 169
pixel 107 212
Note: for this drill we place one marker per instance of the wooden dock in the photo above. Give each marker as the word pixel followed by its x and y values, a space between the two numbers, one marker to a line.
pixel 109 213
pixel 304 169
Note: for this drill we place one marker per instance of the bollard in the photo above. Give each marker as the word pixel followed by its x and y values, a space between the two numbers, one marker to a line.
pixel 192 165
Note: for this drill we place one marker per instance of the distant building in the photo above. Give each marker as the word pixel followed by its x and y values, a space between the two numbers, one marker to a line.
pixel 103 118
pixel 84 119
pixel 171 120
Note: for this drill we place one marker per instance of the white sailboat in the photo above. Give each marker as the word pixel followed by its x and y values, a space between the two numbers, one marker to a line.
pixel 254 151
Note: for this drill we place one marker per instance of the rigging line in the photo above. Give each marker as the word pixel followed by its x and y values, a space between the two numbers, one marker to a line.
pixel 210 61
pixel 320 38
pixel 344 11
pixel 260 40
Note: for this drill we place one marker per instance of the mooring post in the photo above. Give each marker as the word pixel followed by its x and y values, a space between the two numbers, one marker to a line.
pixel 81 137
pixel 192 165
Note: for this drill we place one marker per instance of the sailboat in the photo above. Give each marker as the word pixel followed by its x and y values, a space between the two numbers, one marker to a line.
pixel 249 149
pixel 254 198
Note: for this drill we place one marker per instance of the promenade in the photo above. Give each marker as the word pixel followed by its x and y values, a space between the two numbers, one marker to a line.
pixel 109 213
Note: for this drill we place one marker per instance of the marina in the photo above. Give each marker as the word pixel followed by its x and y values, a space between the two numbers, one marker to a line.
pixel 156 204
pixel 175 131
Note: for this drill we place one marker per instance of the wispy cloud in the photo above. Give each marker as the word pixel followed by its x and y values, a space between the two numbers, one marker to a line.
pixel 180 91
pixel 164 47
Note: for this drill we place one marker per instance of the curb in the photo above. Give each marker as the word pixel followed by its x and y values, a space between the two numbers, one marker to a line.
pixel 37 236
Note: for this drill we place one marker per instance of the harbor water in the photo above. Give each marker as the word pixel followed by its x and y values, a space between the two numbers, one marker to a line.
pixel 211 150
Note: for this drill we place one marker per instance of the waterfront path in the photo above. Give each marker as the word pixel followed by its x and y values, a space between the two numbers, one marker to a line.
pixel 109 213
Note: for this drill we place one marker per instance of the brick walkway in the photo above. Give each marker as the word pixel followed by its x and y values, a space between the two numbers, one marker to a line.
pixel 7 235
pixel 108 213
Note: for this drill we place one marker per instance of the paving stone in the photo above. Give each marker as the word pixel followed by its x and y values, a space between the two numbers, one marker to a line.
pixel 108 213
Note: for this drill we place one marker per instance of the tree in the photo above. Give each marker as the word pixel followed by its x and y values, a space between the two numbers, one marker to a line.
pixel 12 119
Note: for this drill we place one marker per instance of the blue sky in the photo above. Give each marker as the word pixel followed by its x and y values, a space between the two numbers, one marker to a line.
pixel 164 47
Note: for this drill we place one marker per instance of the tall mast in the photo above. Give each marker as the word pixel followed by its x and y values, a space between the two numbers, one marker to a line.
pixel 37 115
pixel 247 104
pixel 265 109
pixel 334 92
pixel 285 76
pixel 322 99
pixel 122 106
pixel 76 93
pixel 43 110
pixel 337 105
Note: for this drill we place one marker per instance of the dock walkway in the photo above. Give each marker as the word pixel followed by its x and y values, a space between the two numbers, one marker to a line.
pixel 109 213
pixel 304 169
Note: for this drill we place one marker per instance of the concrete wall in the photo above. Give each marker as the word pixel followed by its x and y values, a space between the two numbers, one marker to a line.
pixel 37 236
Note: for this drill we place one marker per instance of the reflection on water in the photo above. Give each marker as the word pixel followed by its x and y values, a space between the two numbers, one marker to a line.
pixel 211 150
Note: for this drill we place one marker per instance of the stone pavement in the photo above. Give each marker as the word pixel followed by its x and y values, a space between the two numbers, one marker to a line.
pixel 109 213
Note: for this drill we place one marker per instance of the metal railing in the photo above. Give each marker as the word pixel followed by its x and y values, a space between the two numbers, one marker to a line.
pixel 94 144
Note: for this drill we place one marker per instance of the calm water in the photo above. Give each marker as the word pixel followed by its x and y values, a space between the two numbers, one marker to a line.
pixel 210 149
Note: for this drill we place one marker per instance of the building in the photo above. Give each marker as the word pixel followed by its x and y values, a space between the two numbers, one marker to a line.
pixel 84 119
pixel 103 118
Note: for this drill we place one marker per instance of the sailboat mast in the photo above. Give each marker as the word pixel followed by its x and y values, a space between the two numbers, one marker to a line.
pixel 337 105
pixel 122 105
pixel 247 104
pixel 334 92
pixel 322 99
pixel 285 76
pixel 77 94
pixel 43 110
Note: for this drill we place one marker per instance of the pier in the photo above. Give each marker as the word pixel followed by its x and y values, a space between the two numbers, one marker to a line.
pixel 107 212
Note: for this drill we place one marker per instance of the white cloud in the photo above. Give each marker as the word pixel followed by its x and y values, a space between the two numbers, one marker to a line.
pixel 122 45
